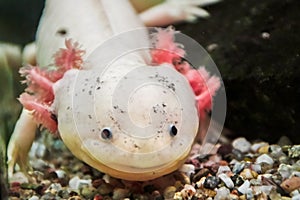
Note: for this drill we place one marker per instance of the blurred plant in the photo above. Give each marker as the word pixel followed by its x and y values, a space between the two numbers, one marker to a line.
pixel 10 61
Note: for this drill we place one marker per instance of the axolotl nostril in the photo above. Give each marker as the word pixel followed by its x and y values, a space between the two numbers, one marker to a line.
pixel 134 116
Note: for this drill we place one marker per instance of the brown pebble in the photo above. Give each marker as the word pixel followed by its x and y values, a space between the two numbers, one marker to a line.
pixel 291 184
pixel 203 172
pixel 97 182
pixel 74 198
pixel 264 149
pixel 169 192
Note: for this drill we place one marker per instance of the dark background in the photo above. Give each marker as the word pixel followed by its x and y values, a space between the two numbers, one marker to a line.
pixel 261 75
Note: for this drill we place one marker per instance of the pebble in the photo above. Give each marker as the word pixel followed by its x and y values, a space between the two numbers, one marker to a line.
pixel 263 188
pixel 294 151
pixel 18 177
pixel 285 170
pixel 211 182
pixel 256 146
pixel 75 183
pixel 188 169
pixel 237 180
pixel 120 193
pixel 291 184
pixel 223 193
pixel 223 169
pixel 244 187
pixel 169 192
pixel 34 198
pixel 188 191
pixel 241 144
pixel 238 167
pixel 264 149
pixel 227 180
pixel 248 174
pixel 201 173
pixel 264 158
pixel 276 150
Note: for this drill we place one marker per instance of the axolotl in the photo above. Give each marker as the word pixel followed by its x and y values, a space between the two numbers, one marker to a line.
pixel 131 113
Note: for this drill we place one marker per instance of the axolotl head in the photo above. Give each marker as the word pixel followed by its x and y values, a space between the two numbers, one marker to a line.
pixel 130 120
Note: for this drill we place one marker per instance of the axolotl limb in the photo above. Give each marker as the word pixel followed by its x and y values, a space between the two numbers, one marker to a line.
pixel 48 99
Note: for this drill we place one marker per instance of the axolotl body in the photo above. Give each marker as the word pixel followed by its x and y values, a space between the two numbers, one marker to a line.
pixel 131 113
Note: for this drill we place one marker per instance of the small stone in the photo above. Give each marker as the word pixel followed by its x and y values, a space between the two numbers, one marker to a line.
pixel 256 168
pixel 291 184
pixel 18 177
pixel 237 154
pixel 285 170
pixel 263 188
pixel 211 182
pixel 120 193
pixel 296 197
pixel 237 180
pixel 264 149
pixel 284 140
pixel 177 196
pixel 34 198
pixel 54 188
pixel 209 192
pixel 223 169
pixel 238 167
pixel 294 151
pixel 105 188
pixel 248 174
pixel 223 193
pixel 203 172
pixel 188 191
pixel 244 187
pixel 264 158
pixel 256 146
pixel 276 150
pixel 169 192
pixel 241 144
pixel 88 192
pixel 228 182
pixel 75 183
pixel 200 183
pixel 188 169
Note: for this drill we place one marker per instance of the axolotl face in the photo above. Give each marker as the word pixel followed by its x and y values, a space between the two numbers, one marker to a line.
pixel 132 121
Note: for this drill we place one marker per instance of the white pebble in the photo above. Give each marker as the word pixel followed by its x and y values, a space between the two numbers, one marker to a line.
pixel 228 182
pixel 285 170
pixel 263 188
pixel 60 173
pixel 188 169
pixel 241 144
pixel 244 187
pixel 256 146
pixel 296 197
pixel 34 198
pixel 19 177
pixel 75 183
pixel 223 193
pixel 264 158
pixel 223 169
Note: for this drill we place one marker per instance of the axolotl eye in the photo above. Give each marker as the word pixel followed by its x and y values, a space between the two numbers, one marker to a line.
pixel 173 130
pixel 106 133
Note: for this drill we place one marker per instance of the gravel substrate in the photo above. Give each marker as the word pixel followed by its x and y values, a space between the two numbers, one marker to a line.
pixel 237 171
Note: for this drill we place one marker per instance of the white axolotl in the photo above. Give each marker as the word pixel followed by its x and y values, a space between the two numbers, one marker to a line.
pixel 134 117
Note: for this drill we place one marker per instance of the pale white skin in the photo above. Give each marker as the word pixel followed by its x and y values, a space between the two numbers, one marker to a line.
pixel 101 19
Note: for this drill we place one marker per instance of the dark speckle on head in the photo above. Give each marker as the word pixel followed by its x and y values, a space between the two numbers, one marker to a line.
pixel 62 32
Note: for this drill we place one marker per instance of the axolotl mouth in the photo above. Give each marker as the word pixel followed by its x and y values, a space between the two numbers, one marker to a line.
pixel 149 134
